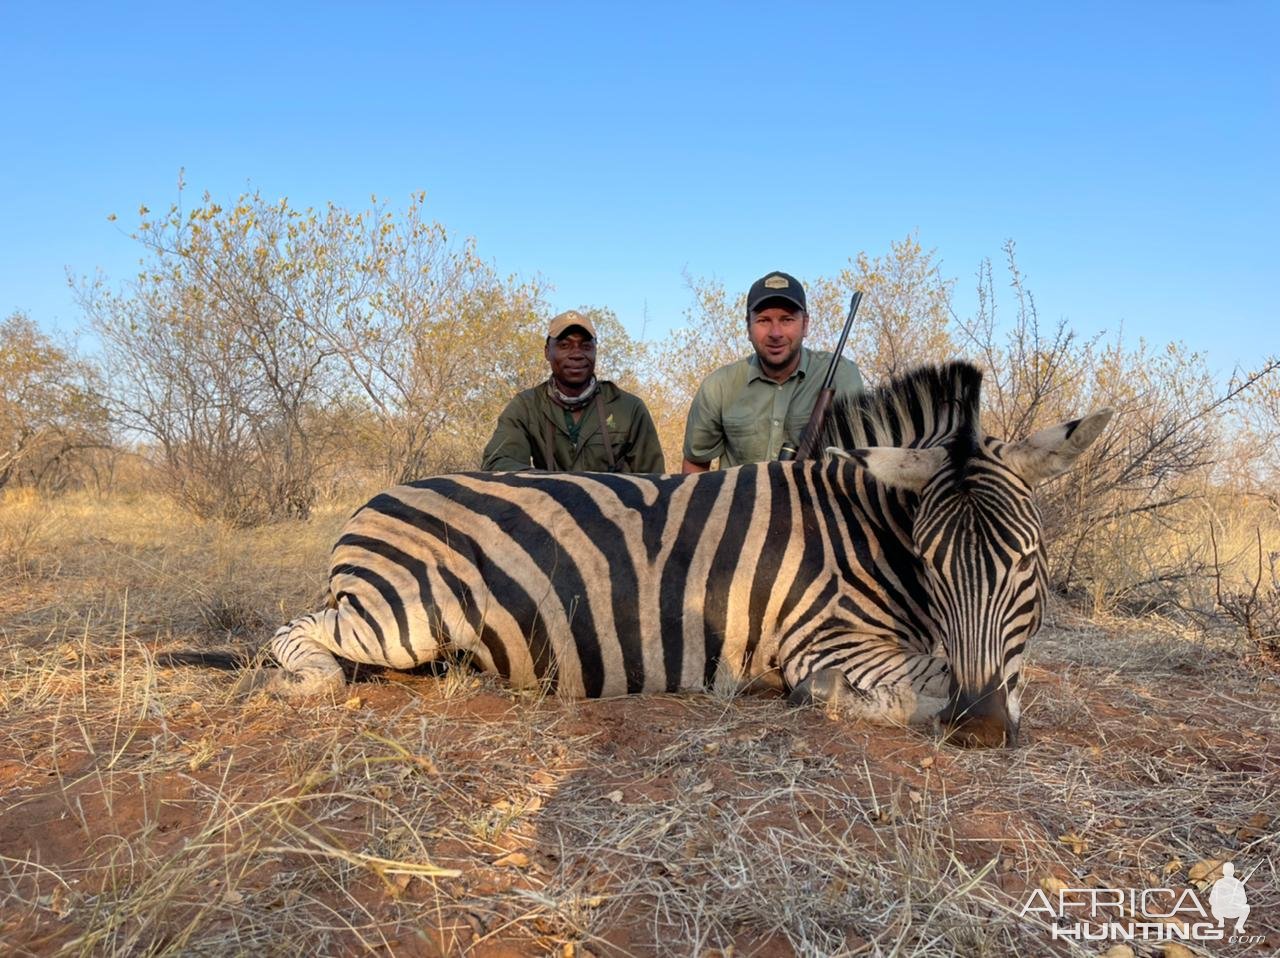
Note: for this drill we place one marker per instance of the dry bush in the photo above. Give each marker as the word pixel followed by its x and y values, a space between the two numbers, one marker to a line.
pixel 1126 524
pixel 714 333
pixel 905 317
pixel 207 359
pixel 1255 609
pixel 433 346
pixel 51 419
pixel 259 342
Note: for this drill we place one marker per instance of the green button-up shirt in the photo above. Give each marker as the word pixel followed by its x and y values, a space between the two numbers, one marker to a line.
pixel 531 419
pixel 740 415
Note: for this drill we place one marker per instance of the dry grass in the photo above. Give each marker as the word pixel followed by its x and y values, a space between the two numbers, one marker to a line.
pixel 145 813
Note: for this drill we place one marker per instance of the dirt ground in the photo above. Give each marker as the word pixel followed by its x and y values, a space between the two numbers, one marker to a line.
pixel 145 811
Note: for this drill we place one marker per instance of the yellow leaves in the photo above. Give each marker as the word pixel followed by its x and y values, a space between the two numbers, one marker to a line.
pixel 202 753
pixel 1051 885
pixel 1254 828
pixel 397 883
pixel 1251 830
pixel 514 860
pixel 1204 873
pixel 1076 842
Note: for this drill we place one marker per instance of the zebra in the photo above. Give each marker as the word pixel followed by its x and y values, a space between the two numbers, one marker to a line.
pixel 897 579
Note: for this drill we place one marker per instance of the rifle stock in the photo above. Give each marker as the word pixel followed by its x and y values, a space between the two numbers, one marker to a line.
pixel 813 428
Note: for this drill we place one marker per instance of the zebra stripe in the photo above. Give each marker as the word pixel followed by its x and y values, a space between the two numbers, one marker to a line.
pixel 904 576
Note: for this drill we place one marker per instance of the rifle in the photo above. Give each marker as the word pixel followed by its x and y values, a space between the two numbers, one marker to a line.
pixel 817 419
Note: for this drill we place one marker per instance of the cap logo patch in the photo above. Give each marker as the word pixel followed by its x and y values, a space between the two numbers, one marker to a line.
pixel 776 282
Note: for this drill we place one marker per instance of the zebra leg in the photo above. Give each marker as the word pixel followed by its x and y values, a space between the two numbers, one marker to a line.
pixel 826 688
pixel 875 680
pixel 307 667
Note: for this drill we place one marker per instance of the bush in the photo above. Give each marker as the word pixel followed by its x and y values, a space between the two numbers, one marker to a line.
pixel 51 417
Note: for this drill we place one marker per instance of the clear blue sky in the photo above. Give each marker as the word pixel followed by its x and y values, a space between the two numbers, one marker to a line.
pixel 1129 149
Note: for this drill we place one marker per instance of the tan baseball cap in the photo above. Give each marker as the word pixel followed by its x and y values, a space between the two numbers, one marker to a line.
pixel 567 320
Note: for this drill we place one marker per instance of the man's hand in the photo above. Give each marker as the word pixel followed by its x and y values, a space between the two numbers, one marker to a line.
pixel 687 467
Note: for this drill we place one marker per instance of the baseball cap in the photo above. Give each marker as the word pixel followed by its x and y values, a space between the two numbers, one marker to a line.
pixel 776 285
pixel 562 323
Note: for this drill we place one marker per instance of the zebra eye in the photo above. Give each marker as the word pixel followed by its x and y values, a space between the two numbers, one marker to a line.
pixel 1027 563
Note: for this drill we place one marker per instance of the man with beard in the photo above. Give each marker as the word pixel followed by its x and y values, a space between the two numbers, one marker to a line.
pixel 746 410
pixel 574 422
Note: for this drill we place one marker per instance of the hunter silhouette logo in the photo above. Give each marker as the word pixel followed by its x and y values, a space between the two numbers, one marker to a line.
pixel 1145 914
pixel 1228 900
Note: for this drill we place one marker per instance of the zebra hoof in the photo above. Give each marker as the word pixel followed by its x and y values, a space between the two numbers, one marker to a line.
pixel 256 679
pixel 826 688
pixel 280 684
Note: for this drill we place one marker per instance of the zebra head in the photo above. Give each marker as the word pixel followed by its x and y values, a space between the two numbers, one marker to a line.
pixel 977 533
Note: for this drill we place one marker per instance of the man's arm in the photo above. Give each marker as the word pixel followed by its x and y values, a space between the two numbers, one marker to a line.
pixel 703 431
pixel 508 449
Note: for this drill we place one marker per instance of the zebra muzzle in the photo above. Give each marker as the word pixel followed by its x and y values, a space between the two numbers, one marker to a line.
pixel 981 721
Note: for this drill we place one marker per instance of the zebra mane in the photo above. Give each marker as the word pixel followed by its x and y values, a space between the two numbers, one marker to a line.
pixel 924 407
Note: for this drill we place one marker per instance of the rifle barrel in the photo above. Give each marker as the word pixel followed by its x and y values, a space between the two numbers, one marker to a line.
pixel 813 428
pixel 854 303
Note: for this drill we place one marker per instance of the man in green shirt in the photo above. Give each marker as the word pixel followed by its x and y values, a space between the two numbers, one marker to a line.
pixel 574 422
pixel 745 411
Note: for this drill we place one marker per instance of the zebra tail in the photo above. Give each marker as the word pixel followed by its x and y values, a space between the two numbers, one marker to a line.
pixel 228 661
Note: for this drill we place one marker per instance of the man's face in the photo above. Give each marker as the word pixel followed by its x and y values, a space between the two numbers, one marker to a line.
pixel 572 358
pixel 776 332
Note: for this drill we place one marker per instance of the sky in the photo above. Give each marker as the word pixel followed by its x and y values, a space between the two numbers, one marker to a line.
pixel 612 149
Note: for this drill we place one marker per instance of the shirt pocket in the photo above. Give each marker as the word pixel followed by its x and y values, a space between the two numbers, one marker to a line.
pixel 795 423
pixel 747 437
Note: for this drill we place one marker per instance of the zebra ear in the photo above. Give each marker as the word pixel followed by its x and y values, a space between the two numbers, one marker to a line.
pixel 907 469
pixel 1051 452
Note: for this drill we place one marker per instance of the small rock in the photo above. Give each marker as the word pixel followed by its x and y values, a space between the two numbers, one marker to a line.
pixel 1117 951
pixel 514 860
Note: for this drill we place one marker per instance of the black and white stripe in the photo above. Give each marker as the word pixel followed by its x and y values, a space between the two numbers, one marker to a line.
pixel 887 567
